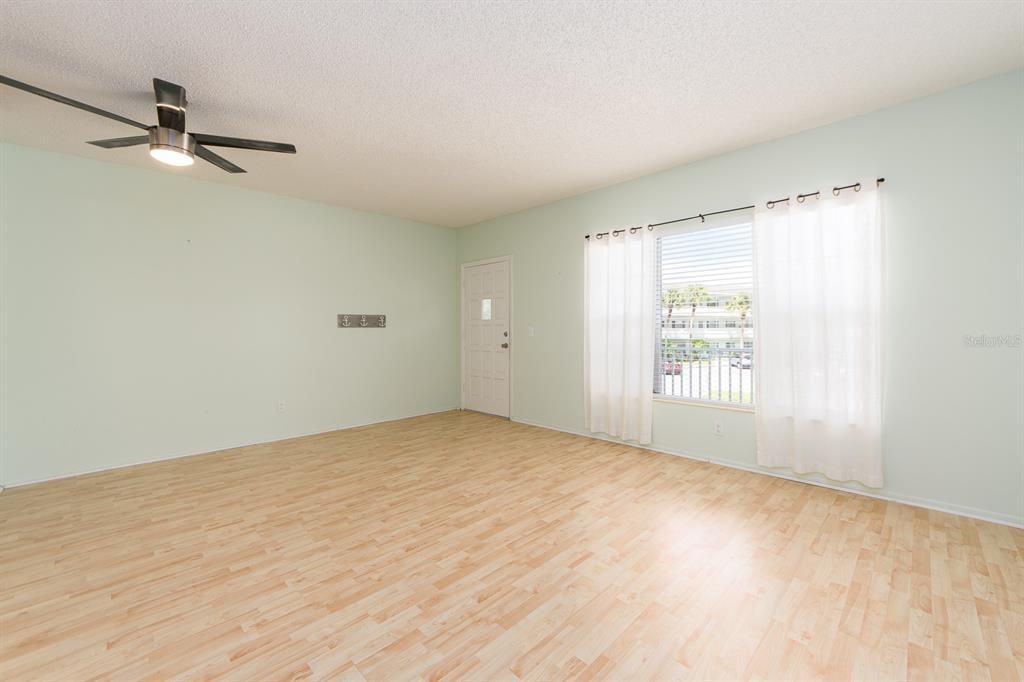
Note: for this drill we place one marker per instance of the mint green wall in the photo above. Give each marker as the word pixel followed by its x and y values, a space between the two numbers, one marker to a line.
pixel 145 315
pixel 954 165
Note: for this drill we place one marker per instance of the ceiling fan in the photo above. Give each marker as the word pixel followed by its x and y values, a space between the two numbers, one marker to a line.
pixel 168 141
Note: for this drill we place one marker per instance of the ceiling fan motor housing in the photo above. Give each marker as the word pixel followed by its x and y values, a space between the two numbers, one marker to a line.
pixel 172 140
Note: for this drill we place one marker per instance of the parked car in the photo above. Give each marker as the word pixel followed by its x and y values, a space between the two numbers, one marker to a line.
pixel 673 368
pixel 741 361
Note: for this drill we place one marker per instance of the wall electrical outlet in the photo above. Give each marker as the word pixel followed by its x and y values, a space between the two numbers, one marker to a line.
pixel 280 406
pixel 719 430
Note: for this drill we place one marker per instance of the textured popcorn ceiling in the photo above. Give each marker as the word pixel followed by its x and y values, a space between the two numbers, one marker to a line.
pixel 452 113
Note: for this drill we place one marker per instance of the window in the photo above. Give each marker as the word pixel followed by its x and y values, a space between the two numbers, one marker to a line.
pixel 704 322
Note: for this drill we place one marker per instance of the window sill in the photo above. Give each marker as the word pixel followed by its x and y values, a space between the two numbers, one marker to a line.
pixel 732 407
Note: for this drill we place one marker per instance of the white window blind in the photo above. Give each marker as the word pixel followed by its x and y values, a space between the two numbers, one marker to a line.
pixel 703 321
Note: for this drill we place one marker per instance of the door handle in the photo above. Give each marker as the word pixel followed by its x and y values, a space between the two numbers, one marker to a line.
pixel 504 345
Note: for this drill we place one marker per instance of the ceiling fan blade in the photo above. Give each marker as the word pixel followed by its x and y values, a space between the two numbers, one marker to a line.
pixel 240 143
pixel 170 104
pixel 70 102
pixel 219 161
pixel 121 142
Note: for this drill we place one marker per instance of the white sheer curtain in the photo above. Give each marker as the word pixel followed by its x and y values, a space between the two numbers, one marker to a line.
pixel 818 270
pixel 618 344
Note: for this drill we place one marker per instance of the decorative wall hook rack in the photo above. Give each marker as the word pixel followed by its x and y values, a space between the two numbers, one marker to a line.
pixel 361 320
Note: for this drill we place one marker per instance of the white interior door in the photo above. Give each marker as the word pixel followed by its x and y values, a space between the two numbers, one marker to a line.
pixel 486 342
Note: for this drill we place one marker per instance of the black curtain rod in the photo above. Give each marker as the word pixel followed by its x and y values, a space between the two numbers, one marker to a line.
pixel 770 204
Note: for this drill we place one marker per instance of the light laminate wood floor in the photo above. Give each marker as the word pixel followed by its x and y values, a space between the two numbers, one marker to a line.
pixel 464 546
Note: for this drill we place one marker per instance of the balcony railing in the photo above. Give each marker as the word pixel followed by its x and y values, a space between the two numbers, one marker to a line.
pixel 723 375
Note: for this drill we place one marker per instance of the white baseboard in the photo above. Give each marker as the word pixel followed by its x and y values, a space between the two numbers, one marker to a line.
pixel 226 447
pixel 933 505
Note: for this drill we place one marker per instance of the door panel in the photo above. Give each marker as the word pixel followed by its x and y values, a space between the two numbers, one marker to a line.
pixel 485 319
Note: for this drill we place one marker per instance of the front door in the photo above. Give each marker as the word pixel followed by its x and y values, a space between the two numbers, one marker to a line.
pixel 486 345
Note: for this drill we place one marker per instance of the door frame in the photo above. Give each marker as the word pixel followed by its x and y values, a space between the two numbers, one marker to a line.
pixel 462 328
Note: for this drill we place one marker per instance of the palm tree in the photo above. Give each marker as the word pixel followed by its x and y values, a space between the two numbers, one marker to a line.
pixel 695 295
pixel 672 299
pixel 739 304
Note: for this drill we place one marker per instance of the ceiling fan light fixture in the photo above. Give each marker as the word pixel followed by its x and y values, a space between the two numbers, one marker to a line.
pixel 171 146
pixel 168 142
pixel 171 156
